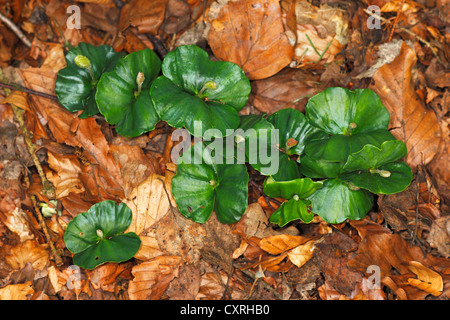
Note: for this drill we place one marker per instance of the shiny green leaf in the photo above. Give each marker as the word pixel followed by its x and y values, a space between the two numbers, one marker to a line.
pixel 96 236
pixel 75 87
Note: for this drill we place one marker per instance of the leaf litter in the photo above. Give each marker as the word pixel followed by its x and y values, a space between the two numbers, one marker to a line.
pixel 291 50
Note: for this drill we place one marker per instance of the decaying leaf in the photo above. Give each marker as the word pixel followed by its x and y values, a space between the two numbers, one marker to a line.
pixel 28 251
pixel 427 279
pixel 281 243
pixel 301 254
pixel 16 291
pixel 152 277
pixel 410 121
pixel 250 34
pixel 65 177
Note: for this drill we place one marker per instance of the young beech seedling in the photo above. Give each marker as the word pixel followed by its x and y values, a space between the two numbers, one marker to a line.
pixel 195 89
pixel 123 95
pixel 76 84
pixel 96 236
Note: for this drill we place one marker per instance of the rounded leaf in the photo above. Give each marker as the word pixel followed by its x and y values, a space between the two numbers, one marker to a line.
pixel 195 89
pixel 203 184
pixel 291 210
pixel 123 96
pixel 349 119
pixel 335 202
pixel 76 85
pixel 336 110
pixel 397 177
pixel 371 156
pixel 96 236
pixel 301 188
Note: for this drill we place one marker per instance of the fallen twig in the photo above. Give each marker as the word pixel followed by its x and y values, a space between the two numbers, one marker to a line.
pixel 58 259
pixel 16 30
pixel 13 86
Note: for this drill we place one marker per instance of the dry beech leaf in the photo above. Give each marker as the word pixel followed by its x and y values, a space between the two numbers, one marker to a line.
pixel 105 276
pixel 16 291
pixel 319 33
pixel 29 251
pixel 17 221
pixel 287 89
pixel 427 279
pixel 149 202
pixel 65 177
pixel 301 254
pixel 152 277
pixel 410 121
pixel 146 15
pixel 281 243
pixel 250 34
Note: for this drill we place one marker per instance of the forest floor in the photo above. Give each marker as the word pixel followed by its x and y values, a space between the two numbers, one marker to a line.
pixel 290 50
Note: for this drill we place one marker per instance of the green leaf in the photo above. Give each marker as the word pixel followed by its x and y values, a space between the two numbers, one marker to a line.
pixel 371 157
pixel 295 191
pixel 75 87
pixel 96 236
pixel 302 188
pixel 335 109
pixel 292 131
pixel 350 120
pixel 397 178
pixel 375 169
pixel 124 99
pixel 335 202
pixel 291 210
pixel 203 184
pixel 199 94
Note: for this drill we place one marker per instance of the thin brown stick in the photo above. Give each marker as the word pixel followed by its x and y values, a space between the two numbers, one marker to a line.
pixel 16 30
pixel 13 86
pixel 58 259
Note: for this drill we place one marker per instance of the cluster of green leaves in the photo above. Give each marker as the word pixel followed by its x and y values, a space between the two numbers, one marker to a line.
pixel 330 160
pixel 343 143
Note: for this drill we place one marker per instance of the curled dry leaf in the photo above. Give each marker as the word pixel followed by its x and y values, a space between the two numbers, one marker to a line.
pixel 251 34
pixel 301 254
pixel 427 279
pixel 149 202
pixel 16 291
pixel 281 243
pixel 410 121
pixel 65 177
pixel 146 15
pixel 28 251
pixel 152 277
pixel 287 89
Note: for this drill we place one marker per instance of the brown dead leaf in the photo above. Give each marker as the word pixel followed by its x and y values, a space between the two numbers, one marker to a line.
pixel 149 202
pixel 28 251
pixel 319 33
pixel 105 276
pixel 16 291
pixel 281 243
pixel 439 236
pixel 65 177
pixel 250 34
pixel 411 121
pixel 186 285
pixel 152 277
pixel 286 89
pixel 301 254
pixel 427 279
pixel 134 164
pixel 146 15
